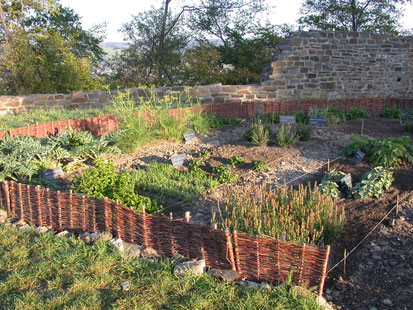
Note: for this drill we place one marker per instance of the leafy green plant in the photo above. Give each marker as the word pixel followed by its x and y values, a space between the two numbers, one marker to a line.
pixel 286 136
pixel 164 181
pixel 393 113
pixel 332 116
pixel 224 174
pixel 303 132
pixel 204 154
pixel 224 121
pixel 259 165
pixel 274 118
pixel 103 181
pixel 300 215
pixel 373 184
pixel 389 153
pixel 258 134
pixel 329 183
pixel 356 113
pixel 409 127
pixel 235 160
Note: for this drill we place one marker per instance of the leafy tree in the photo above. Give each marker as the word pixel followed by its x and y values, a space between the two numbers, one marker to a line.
pixel 352 15
pixel 42 49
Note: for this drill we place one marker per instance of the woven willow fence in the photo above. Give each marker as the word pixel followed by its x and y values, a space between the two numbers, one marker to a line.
pixel 255 258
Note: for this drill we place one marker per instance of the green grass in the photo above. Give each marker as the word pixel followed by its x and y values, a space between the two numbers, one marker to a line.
pixel 43 116
pixel 165 181
pixel 48 272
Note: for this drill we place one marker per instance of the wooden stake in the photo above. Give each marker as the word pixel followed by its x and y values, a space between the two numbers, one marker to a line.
pixel 171 216
pixel 187 216
pixel 345 262
pixel 328 164
pixel 362 126
pixel 397 205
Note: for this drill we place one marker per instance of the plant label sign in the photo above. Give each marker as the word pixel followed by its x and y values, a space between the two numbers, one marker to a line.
pixel 179 160
pixel 358 158
pixel 287 119
pixel 188 136
pixel 52 173
pixel 317 121
pixel 346 183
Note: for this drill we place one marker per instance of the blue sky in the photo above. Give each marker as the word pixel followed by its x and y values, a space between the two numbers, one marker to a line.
pixel 117 12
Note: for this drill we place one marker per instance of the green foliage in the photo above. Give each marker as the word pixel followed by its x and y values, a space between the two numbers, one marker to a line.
pixel 409 127
pixel 393 113
pixel 332 116
pixel 223 121
pixel 224 174
pixel 389 153
pixel 286 136
pixel 165 181
pixel 235 160
pixel 373 184
pixel 204 154
pixel 373 16
pixel 356 113
pixel 259 166
pixel 79 276
pixel 303 132
pixel 329 183
pixel 103 181
pixel 258 134
pixel 295 215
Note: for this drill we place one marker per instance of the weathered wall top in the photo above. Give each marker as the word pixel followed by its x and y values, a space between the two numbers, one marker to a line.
pixel 341 65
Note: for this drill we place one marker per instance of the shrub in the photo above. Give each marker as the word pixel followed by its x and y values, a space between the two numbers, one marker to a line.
pixel 303 132
pixel 258 134
pixel 259 165
pixel 373 184
pixel 329 183
pixel 224 174
pixel 356 112
pixel 393 113
pixel 332 116
pixel 164 180
pixel 235 160
pixel 223 121
pixel 102 181
pixel 300 215
pixel 286 136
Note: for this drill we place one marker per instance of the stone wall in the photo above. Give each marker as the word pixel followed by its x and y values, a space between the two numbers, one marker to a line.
pixel 342 65
pixel 310 65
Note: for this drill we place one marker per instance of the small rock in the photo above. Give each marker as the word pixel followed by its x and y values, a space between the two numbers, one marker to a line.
pixel 265 286
pixel 125 286
pixel 117 243
pixel 25 228
pixel 253 284
pixel 64 233
pixel 377 248
pixel 11 220
pixel 42 229
pixel 3 216
pixel 225 275
pixel 104 236
pixel 195 267
pixel 86 238
pixel 242 283
pixel 132 250
pixel 94 236
pixel 149 253
pixel 387 302
pixel 321 302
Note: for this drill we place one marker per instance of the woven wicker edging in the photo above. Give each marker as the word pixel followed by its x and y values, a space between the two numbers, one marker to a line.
pixel 255 258
pixel 105 124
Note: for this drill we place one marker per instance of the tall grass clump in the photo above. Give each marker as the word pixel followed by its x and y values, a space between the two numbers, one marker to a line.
pixel 302 215
pixel 286 136
pixel 259 133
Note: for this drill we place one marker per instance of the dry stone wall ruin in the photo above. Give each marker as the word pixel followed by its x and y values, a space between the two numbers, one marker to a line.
pixel 310 65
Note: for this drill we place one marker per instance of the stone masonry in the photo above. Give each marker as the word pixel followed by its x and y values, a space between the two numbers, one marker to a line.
pixel 335 65
pixel 310 65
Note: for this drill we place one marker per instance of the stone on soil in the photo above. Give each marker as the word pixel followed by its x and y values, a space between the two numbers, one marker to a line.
pixel 3 216
pixel 225 275
pixel 194 267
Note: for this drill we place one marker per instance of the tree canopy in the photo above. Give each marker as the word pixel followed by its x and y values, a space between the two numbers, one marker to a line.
pixel 352 15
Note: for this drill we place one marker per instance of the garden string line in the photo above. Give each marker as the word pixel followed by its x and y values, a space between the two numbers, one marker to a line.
pixel 366 236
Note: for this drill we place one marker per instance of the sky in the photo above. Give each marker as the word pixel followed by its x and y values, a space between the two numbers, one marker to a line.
pixel 117 12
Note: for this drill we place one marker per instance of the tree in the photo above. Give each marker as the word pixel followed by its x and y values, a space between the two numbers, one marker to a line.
pixel 41 49
pixel 352 15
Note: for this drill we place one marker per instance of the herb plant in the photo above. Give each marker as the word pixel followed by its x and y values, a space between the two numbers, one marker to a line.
pixel 235 160
pixel 393 113
pixel 332 116
pixel 286 136
pixel 258 134
pixel 259 166
pixel 356 113
pixel 373 184
pixel 224 175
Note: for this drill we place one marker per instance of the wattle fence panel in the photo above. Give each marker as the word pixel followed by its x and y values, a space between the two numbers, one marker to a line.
pixel 255 258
